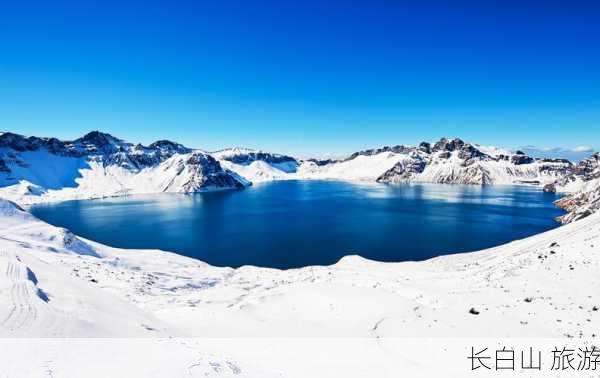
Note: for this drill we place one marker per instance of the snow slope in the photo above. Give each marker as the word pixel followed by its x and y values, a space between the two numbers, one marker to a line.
pixel 255 165
pixel 99 165
pixel 38 298
pixel 56 284
pixel 259 171
pixel 488 172
pixel 367 168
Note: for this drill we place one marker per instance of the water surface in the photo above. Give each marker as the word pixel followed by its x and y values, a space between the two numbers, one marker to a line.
pixel 287 224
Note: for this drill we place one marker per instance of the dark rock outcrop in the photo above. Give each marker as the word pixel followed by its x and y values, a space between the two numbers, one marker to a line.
pixel 399 149
pixel 168 148
pixel 403 171
pixel 97 140
pixel 249 157
pixel 586 200
pixel 425 147
pixel 448 145
pixel 588 168
pixel 469 154
pixel 521 158
pixel 207 173
pixel 454 161
pixel 322 162
pixel 20 143
pixel 108 149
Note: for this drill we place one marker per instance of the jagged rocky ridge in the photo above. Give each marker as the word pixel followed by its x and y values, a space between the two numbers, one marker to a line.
pixel 100 164
pixel 453 161
pixel 36 169
pixel 585 171
pixel 450 161
pixel 583 186
pixel 101 146
pixel 457 162
pixel 245 156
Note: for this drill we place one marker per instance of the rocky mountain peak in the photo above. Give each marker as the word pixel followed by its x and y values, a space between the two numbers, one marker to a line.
pixel 521 158
pixel 192 171
pixel 425 147
pixel 589 165
pixel 167 145
pixel 246 156
pixel 469 152
pixel 585 200
pixel 445 144
pixel 205 171
pixel 96 143
pixel 19 142
pixel 98 139
pixel 398 149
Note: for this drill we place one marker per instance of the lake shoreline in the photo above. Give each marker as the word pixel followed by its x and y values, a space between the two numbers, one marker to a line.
pixel 317 213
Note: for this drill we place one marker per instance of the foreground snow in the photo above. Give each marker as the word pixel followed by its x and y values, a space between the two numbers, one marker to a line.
pixel 55 284
pixel 356 318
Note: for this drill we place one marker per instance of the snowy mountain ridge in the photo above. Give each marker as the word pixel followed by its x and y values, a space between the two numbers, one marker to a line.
pixel 448 161
pixel 34 169
pixel 257 165
pixel 240 155
pixel 583 187
pixel 451 161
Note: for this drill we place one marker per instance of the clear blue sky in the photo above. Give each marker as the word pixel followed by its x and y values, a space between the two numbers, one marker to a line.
pixel 304 77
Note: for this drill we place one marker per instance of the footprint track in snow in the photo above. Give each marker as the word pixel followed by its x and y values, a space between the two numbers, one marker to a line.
pixel 21 291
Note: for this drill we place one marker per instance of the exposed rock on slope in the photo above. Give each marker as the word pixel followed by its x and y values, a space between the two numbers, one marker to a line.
pixel 583 184
pixel 257 166
pixel 247 156
pixel 449 161
pixel 585 171
pixel 404 170
pixel 203 172
pixel 456 162
pixel 98 164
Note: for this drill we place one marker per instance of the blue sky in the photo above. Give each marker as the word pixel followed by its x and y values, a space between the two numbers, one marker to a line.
pixel 304 77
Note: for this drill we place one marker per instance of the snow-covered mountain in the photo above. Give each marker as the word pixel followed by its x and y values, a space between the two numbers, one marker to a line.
pixel 583 187
pixel 585 171
pixel 96 165
pixel 446 161
pixel 99 165
pixel 256 165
